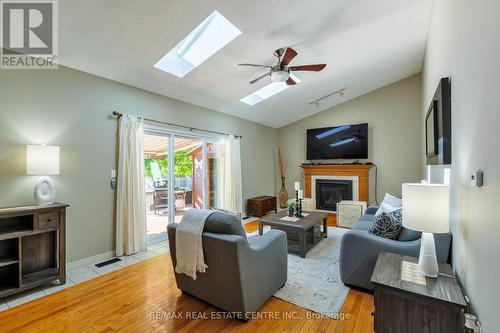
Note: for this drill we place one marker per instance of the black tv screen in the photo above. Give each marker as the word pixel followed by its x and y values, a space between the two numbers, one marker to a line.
pixel 340 142
pixel 438 125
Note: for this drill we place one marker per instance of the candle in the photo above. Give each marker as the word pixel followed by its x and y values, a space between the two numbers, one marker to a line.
pixel 301 194
pixel 297 186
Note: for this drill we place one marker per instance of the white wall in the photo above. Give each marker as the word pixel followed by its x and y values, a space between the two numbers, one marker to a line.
pixel 393 114
pixel 70 108
pixel 464 43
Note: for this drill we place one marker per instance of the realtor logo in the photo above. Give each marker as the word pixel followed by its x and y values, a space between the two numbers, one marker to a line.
pixel 29 34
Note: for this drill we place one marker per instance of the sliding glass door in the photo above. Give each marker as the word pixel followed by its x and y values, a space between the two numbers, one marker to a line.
pixel 156 172
pixel 182 172
pixel 188 174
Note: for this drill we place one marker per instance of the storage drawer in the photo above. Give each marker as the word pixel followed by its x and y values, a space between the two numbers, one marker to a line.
pixel 48 220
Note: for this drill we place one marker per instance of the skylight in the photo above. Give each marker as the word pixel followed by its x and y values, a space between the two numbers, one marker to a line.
pixel 205 40
pixel 268 91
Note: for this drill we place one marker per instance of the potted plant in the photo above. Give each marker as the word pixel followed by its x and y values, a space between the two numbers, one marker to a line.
pixel 291 209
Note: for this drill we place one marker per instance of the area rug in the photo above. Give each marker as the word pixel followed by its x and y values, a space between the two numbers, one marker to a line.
pixel 314 282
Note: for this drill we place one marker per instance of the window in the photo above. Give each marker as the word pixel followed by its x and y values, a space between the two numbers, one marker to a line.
pixel 268 91
pixel 205 40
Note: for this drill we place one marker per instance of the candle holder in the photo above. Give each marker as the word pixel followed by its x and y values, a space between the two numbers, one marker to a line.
pixel 298 205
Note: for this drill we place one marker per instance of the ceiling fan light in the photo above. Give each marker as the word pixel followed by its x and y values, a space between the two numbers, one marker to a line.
pixel 279 76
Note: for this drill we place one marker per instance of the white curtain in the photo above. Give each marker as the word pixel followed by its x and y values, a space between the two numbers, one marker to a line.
pixel 229 185
pixel 131 231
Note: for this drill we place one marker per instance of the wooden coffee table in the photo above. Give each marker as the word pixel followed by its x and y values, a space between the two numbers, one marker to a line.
pixel 303 234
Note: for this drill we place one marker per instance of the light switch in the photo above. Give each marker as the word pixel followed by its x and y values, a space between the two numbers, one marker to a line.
pixel 113 179
pixel 476 179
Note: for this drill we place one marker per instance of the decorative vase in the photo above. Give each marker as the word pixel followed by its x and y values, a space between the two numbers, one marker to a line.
pixel 290 212
pixel 283 195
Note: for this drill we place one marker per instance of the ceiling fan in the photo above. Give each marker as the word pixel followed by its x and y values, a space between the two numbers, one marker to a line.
pixel 281 71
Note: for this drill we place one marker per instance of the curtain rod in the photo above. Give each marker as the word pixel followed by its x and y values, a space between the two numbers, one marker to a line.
pixel 118 115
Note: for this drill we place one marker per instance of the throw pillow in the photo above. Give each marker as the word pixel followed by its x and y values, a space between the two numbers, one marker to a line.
pixel 387 225
pixel 397 215
pixel 392 200
pixel 386 208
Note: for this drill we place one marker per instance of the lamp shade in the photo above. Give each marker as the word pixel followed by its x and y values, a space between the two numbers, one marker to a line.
pixel 42 160
pixel 426 207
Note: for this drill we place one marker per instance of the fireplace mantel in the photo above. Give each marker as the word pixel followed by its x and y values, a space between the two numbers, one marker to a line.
pixel 355 170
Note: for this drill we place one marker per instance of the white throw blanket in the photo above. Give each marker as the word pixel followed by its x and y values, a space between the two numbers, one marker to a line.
pixel 188 244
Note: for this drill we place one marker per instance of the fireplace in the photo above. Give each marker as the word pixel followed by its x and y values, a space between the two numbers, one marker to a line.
pixel 356 173
pixel 329 192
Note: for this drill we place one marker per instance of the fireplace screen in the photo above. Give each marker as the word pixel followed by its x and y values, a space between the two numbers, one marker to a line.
pixel 329 192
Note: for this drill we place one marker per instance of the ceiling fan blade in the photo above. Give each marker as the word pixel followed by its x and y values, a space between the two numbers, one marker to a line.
pixel 314 68
pixel 255 65
pixel 290 82
pixel 259 78
pixel 288 56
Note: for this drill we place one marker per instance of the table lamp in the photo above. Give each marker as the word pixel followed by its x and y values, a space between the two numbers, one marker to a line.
pixel 426 209
pixel 44 161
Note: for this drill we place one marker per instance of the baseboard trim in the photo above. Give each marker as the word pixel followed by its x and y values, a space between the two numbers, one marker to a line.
pixel 90 260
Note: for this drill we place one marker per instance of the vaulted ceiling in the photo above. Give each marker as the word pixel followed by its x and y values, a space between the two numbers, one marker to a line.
pixel 366 45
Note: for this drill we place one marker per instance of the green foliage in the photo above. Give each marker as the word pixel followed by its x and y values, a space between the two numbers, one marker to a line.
pixel 291 206
pixel 183 164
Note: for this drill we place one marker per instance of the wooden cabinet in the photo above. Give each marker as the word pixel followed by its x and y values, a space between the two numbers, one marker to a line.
pixel 260 206
pixel 406 301
pixel 32 247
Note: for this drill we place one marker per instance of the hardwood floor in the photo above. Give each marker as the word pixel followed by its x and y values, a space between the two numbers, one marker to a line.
pixel 252 226
pixel 144 298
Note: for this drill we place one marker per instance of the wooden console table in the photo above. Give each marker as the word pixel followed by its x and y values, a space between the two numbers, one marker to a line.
pixel 32 247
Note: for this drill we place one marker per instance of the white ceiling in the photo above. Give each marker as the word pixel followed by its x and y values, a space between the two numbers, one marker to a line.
pixel 366 44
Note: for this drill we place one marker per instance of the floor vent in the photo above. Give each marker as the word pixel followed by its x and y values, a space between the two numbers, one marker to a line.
pixel 107 262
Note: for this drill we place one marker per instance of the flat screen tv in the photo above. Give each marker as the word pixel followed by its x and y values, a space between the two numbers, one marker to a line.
pixel 339 142
pixel 438 126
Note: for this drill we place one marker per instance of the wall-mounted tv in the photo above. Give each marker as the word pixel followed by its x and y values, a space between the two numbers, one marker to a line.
pixel 339 142
pixel 438 126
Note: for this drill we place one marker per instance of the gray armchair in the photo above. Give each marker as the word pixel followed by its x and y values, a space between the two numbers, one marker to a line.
pixel 359 249
pixel 242 273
